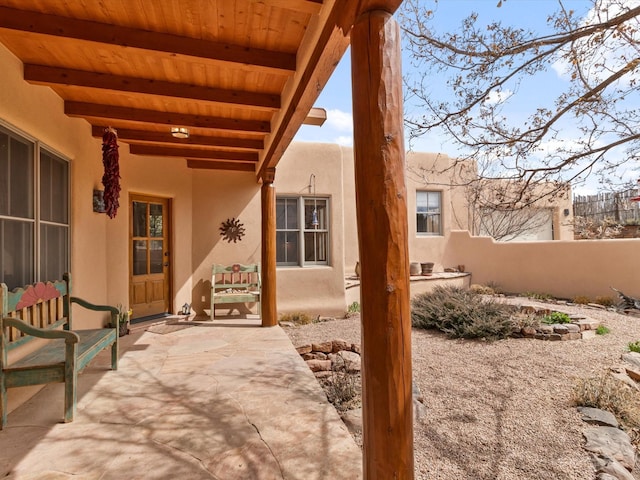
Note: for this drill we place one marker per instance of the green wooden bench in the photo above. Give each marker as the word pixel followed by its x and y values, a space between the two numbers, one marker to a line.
pixel 235 284
pixel 43 311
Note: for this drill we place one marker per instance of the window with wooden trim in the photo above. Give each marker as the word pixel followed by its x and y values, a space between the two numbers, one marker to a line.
pixel 429 212
pixel 34 211
pixel 302 231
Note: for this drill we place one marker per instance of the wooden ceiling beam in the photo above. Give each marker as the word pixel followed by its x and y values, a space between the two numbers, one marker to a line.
pixel 45 75
pixel 93 110
pixel 166 137
pixel 55 25
pixel 160 151
pixel 219 165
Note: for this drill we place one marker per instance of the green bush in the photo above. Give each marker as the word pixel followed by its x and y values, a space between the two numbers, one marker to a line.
pixel 353 308
pixel 634 347
pixel 462 313
pixel 556 317
pixel 602 330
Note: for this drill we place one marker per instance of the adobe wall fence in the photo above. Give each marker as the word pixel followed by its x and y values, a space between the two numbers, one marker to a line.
pixel 564 269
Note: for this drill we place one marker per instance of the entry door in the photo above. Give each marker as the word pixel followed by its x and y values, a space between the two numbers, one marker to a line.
pixel 150 256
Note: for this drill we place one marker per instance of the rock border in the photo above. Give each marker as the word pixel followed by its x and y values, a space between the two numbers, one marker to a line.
pixel 580 327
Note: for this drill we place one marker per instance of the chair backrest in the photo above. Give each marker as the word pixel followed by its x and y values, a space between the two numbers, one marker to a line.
pixel 236 276
pixel 40 305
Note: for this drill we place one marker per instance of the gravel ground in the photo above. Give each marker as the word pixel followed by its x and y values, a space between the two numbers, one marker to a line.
pixel 501 410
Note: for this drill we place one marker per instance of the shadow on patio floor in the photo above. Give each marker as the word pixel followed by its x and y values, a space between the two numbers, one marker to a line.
pixel 192 400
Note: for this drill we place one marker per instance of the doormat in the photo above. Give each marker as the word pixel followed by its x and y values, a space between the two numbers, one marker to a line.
pixel 166 328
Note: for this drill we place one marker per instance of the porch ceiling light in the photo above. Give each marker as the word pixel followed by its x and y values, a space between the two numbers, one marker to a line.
pixel 180 132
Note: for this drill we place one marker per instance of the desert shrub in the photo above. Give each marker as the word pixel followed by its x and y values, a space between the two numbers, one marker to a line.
pixel 581 299
pixel 556 317
pixel 482 289
pixel 602 330
pixel 298 318
pixel 495 287
pixel 605 301
pixel 537 296
pixel 343 389
pixel 634 346
pixel 607 393
pixel 462 313
pixel 522 320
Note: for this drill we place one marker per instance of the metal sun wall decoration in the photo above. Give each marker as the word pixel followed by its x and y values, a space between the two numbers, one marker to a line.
pixel 232 230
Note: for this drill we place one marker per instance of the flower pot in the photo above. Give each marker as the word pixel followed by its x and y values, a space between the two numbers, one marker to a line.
pixel 124 329
pixel 427 268
pixel 414 268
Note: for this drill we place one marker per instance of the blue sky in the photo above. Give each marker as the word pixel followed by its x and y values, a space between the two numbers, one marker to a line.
pixel 336 96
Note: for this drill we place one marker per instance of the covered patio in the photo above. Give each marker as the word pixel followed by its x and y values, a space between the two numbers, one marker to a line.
pixel 191 400
pixel 240 78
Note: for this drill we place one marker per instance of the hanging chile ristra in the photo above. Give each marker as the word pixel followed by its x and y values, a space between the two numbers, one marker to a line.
pixel 111 177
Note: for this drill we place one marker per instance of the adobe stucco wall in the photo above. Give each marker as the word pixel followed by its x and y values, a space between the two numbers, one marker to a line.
pixel 315 289
pixel 39 113
pixel 564 269
pixel 99 245
pixel 218 196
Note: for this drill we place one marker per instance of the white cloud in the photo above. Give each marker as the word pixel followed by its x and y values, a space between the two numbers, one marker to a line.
pixel 344 140
pixel 339 120
pixel 497 97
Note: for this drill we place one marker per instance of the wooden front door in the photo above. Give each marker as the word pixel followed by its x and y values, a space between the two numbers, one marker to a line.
pixel 149 255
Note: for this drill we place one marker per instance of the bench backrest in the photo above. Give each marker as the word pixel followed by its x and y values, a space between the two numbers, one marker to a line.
pixel 236 276
pixel 42 305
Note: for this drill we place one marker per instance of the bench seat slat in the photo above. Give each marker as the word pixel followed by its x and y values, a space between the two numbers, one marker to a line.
pixel 54 351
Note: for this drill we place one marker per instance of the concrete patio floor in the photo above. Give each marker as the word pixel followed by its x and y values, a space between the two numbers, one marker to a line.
pixel 195 400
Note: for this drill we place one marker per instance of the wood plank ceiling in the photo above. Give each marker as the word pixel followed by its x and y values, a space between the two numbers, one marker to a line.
pixel 240 75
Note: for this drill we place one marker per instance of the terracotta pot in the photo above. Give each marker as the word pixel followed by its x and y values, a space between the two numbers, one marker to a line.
pixel 427 268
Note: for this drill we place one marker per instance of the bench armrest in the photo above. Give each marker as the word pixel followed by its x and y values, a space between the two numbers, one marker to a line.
pixel 92 306
pixel 96 308
pixel 69 337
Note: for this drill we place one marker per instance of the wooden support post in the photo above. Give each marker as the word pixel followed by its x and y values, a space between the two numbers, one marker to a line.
pixel 269 311
pixel 384 254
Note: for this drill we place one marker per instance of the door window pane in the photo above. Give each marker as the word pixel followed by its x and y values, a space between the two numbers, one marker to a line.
pixel 139 257
pixel 155 220
pixel 16 252
pixel 139 219
pixel 155 257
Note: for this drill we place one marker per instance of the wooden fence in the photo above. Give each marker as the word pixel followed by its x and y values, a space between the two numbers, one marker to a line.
pixel 614 206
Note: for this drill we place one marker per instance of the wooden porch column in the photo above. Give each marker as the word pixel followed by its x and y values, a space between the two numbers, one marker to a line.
pixel 384 254
pixel 268 295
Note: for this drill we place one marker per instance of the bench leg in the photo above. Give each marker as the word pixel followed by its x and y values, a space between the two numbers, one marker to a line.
pixel 3 402
pixel 114 355
pixel 70 383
